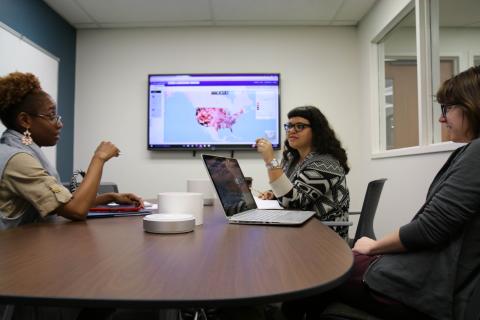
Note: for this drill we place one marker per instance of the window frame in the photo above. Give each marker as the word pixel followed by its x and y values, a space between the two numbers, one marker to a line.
pixel 428 79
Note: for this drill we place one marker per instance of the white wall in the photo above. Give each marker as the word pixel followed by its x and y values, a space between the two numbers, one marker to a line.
pixel 408 176
pixel 26 56
pixel 318 66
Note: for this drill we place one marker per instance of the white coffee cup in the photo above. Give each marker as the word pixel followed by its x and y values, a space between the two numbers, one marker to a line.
pixel 182 202
pixel 204 187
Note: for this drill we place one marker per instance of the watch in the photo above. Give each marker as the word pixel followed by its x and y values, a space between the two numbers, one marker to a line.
pixel 274 164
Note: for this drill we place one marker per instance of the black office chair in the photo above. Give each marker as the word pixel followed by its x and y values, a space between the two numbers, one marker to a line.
pixel 104 187
pixel 369 208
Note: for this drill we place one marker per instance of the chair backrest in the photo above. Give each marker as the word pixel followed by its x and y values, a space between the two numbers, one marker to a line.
pixel 104 187
pixel 369 207
pixel 66 184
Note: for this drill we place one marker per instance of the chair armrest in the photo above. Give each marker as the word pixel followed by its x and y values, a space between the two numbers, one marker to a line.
pixel 337 223
pixel 354 212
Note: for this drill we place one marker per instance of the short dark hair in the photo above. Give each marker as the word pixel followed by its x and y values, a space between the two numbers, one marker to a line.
pixel 324 140
pixel 464 90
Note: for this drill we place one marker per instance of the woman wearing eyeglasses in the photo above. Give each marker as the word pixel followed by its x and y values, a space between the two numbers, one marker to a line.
pixel 428 268
pixel 30 188
pixel 311 175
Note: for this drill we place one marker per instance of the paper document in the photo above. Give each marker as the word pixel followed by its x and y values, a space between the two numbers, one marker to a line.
pixel 150 206
pixel 267 204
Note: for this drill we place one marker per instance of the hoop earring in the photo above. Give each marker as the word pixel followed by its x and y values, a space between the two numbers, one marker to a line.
pixel 27 138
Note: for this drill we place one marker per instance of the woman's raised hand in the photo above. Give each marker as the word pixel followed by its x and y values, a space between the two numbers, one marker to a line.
pixel 106 150
pixel 266 195
pixel 264 147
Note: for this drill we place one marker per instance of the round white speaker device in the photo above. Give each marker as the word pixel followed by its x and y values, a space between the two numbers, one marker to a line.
pixel 169 223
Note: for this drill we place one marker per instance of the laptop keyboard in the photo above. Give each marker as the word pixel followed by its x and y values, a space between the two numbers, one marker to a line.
pixel 266 215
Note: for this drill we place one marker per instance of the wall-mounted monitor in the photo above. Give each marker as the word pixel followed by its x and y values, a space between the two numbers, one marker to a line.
pixel 213 111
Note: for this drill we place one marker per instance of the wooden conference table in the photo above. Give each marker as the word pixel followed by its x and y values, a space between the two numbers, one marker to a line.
pixel 113 262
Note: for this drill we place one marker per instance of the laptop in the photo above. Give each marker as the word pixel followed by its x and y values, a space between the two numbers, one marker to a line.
pixel 237 200
pixel 116 210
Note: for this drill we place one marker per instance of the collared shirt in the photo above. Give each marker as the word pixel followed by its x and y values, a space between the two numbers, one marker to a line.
pixel 24 184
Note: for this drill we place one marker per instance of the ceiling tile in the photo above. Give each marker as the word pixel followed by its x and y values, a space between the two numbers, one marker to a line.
pixel 127 11
pixel 173 13
pixel 354 9
pixel 70 11
pixel 275 10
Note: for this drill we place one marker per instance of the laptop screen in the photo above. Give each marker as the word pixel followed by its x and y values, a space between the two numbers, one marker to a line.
pixel 228 179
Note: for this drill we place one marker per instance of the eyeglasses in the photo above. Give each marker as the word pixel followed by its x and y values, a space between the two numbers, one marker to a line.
pixel 54 118
pixel 298 127
pixel 447 107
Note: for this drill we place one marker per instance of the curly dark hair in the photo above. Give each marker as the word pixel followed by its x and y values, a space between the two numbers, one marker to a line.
pixel 19 92
pixel 464 90
pixel 323 137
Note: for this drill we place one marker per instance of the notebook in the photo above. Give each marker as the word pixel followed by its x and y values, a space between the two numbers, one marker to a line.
pixel 116 210
pixel 237 200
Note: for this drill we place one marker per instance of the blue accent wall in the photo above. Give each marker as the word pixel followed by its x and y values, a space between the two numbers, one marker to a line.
pixel 36 21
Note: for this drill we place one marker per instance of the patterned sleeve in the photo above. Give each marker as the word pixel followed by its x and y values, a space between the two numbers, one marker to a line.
pixel 320 185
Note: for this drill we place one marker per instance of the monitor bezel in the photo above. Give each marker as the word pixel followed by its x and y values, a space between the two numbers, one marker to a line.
pixel 226 147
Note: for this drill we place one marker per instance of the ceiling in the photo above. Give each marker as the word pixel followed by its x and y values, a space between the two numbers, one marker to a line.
pixel 87 14
pixel 452 13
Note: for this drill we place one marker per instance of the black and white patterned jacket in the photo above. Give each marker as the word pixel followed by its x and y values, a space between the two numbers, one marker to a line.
pixel 318 183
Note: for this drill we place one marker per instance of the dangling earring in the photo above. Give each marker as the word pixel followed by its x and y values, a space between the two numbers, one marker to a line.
pixel 27 138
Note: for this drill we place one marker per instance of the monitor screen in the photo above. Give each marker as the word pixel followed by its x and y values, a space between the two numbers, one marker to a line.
pixel 213 111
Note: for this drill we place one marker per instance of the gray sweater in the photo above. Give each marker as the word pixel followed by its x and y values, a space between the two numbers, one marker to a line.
pixel 437 274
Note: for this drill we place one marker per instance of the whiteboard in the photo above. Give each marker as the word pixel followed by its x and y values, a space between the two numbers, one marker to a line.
pixel 20 54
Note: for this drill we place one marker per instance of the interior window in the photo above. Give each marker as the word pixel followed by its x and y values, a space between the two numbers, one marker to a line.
pixel 399 99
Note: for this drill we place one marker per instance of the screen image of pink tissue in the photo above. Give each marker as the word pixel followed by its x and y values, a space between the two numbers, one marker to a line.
pixel 217 118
